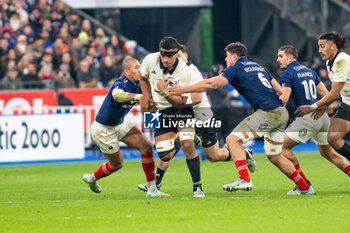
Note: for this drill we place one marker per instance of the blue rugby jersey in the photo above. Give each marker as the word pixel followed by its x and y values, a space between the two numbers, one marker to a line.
pixel 303 82
pixel 112 112
pixel 253 82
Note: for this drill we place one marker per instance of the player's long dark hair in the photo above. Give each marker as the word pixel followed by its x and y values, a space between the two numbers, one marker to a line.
pixel 338 39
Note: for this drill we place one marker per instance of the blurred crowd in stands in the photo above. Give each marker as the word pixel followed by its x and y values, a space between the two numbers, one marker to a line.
pixel 347 2
pixel 45 44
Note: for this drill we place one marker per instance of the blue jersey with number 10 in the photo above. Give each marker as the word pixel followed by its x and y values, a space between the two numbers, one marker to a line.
pixel 253 82
pixel 303 82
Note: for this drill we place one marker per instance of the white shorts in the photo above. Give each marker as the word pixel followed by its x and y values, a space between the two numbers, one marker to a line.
pixel 269 124
pixel 304 128
pixel 107 137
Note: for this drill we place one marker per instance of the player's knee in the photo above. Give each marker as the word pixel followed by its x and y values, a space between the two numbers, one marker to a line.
pixel 147 147
pixel 166 157
pixel 333 139
pixel 290 157
pixel 165 149
pixel 211 158
pixel 187 139
pixel 274 158
pixel 144 148
pixel 232 139
pixel 187 144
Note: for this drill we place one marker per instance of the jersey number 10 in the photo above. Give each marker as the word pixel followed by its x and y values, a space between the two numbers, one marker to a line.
pixel 310 89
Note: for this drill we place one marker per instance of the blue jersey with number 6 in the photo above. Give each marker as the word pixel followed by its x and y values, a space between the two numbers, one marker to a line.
pixel 253 82
pixel 303 82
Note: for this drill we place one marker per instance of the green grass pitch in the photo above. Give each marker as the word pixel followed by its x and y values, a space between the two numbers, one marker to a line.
pixel 53 198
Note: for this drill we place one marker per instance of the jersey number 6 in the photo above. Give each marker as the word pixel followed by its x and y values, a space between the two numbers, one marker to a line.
pixel 264 80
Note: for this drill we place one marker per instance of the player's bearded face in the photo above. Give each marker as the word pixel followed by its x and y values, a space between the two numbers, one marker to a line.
pixel 326 49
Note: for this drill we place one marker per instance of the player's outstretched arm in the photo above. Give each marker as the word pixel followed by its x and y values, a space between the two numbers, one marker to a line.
pixel 332 95
pixel 329 98
pixel 202 86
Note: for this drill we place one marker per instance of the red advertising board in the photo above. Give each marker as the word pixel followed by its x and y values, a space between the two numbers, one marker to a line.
pixel 39 99
pixel 38 102
pixel 85 97
pixel 26 100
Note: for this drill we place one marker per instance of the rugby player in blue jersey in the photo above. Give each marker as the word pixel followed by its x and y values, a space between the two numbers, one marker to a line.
pixel 269 119
pixel 302 84
pixel 110 127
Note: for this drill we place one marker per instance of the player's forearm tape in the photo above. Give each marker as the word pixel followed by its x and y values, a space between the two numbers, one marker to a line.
pixel 119 95
pixel 137 97
pixel 313 107
pixel 164 93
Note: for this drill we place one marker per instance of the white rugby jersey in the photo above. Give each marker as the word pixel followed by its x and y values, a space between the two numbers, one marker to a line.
pixel 201 110
pixel 339 71
pixel 151 69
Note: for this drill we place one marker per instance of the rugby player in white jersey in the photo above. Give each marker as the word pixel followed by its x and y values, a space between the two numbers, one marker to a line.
pixel 330 48
pixel 160 70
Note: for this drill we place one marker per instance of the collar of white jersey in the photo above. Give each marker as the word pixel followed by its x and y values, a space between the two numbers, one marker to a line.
pixel 165 70
pixel 331 63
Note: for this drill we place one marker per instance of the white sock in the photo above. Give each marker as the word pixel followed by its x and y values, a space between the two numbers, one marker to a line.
pixel 151 184
pixel 92 177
